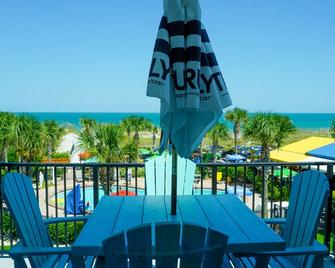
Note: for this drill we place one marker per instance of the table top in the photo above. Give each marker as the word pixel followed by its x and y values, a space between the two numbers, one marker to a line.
pixel 225 213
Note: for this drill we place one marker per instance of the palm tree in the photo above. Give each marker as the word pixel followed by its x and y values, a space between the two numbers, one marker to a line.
pixel 87 122
pixel 28 136
pixel 6 134
pixel 219 131
pixel 154 131
pixel 52 133
pixel 270 130
pixel 238 117
pixel 136 124
pixel 332 129
pixel 109 144
pixel 127 124
pixel 139 123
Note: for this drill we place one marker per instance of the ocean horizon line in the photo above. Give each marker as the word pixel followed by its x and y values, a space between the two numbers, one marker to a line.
pixel 101 112
pixel 306 121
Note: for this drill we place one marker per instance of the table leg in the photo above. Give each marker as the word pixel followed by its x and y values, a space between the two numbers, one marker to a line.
pixel 262 261
pixel 77 261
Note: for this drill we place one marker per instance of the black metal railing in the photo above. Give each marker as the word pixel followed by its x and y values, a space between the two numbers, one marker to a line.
pixel 53 182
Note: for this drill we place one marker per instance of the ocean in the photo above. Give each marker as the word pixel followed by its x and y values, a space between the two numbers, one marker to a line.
pixel 312 121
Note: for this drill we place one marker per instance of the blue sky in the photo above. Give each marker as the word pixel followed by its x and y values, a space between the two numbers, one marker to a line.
pixel 71 55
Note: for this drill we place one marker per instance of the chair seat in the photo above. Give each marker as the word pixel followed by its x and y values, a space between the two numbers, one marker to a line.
pixel 57 261
pixel 250 262
pixel 280 262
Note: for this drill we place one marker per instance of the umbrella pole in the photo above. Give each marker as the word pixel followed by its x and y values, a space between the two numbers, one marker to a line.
pixel 174 182
pixel 174 159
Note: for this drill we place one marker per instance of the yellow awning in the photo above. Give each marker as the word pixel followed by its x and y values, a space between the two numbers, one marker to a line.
pixel 306 145
pixel 284 156
pixel 296 152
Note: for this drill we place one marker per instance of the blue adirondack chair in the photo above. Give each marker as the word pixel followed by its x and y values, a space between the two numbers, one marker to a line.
pixel 309 193
pixel 192 245
pixel 35 242
pixel 158 175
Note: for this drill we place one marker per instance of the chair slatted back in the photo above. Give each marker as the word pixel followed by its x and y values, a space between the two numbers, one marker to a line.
pixel 170 242
pixel 158 175
pixel 22 204
pixel 308 197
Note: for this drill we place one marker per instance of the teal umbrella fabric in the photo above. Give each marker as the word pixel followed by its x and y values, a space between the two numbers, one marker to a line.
pixel 186 77
pixel 285 172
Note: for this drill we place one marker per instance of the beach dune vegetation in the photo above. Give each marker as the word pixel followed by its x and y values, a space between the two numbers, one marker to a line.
pixel 332 129
pixel 136 124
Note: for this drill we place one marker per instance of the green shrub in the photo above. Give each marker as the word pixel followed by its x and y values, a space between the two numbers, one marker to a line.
pixel 66 232
pixel 60 155
pixel 274 193
pixel 9 230
pixel 240 173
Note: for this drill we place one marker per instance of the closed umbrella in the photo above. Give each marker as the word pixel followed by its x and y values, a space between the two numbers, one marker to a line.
pixel 185 76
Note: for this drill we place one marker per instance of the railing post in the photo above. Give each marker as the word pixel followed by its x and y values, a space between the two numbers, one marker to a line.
pixel 95 185
pixel 174 183
pixel 264 193
pixel 329 209
pixel 214 180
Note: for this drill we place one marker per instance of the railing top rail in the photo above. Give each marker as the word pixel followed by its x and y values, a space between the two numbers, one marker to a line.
pixel 257 164
pixel 251 164
pixel 16 164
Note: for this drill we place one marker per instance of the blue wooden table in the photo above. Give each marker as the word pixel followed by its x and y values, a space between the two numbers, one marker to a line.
pixel 226 213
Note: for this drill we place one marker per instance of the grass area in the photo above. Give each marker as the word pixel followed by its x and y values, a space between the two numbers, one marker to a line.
pixel 229 143
pixel 6 247
pixel 321 238
pixel 303 134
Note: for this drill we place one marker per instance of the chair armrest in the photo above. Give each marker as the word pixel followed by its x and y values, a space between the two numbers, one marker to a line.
pixel 315 249
pixel 275 221
pixel 19 251
pixel 65 219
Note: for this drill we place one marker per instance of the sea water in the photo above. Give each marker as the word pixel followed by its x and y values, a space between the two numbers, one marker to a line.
pixel 313 121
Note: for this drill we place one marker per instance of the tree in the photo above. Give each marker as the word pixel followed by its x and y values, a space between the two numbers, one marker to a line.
pixel 270 130
pixel 6 134
pixel 238 117
pixel 87 123
pixel 127 124
pixel 52 133
pixel 219 131
pixel 28 137
pixel 285 127
pixel 136 124
pixel 154 131
pixel 332 129
pixel 109 144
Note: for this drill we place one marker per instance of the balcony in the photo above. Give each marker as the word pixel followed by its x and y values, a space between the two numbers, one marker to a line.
pixel 52 183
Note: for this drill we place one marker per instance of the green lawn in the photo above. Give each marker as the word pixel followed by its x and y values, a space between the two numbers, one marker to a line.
pixel 321 238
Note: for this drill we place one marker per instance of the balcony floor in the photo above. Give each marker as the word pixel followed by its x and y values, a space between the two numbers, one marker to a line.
pixel 6 262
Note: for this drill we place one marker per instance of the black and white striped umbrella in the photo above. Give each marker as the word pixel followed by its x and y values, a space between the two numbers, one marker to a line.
pixel 185 75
